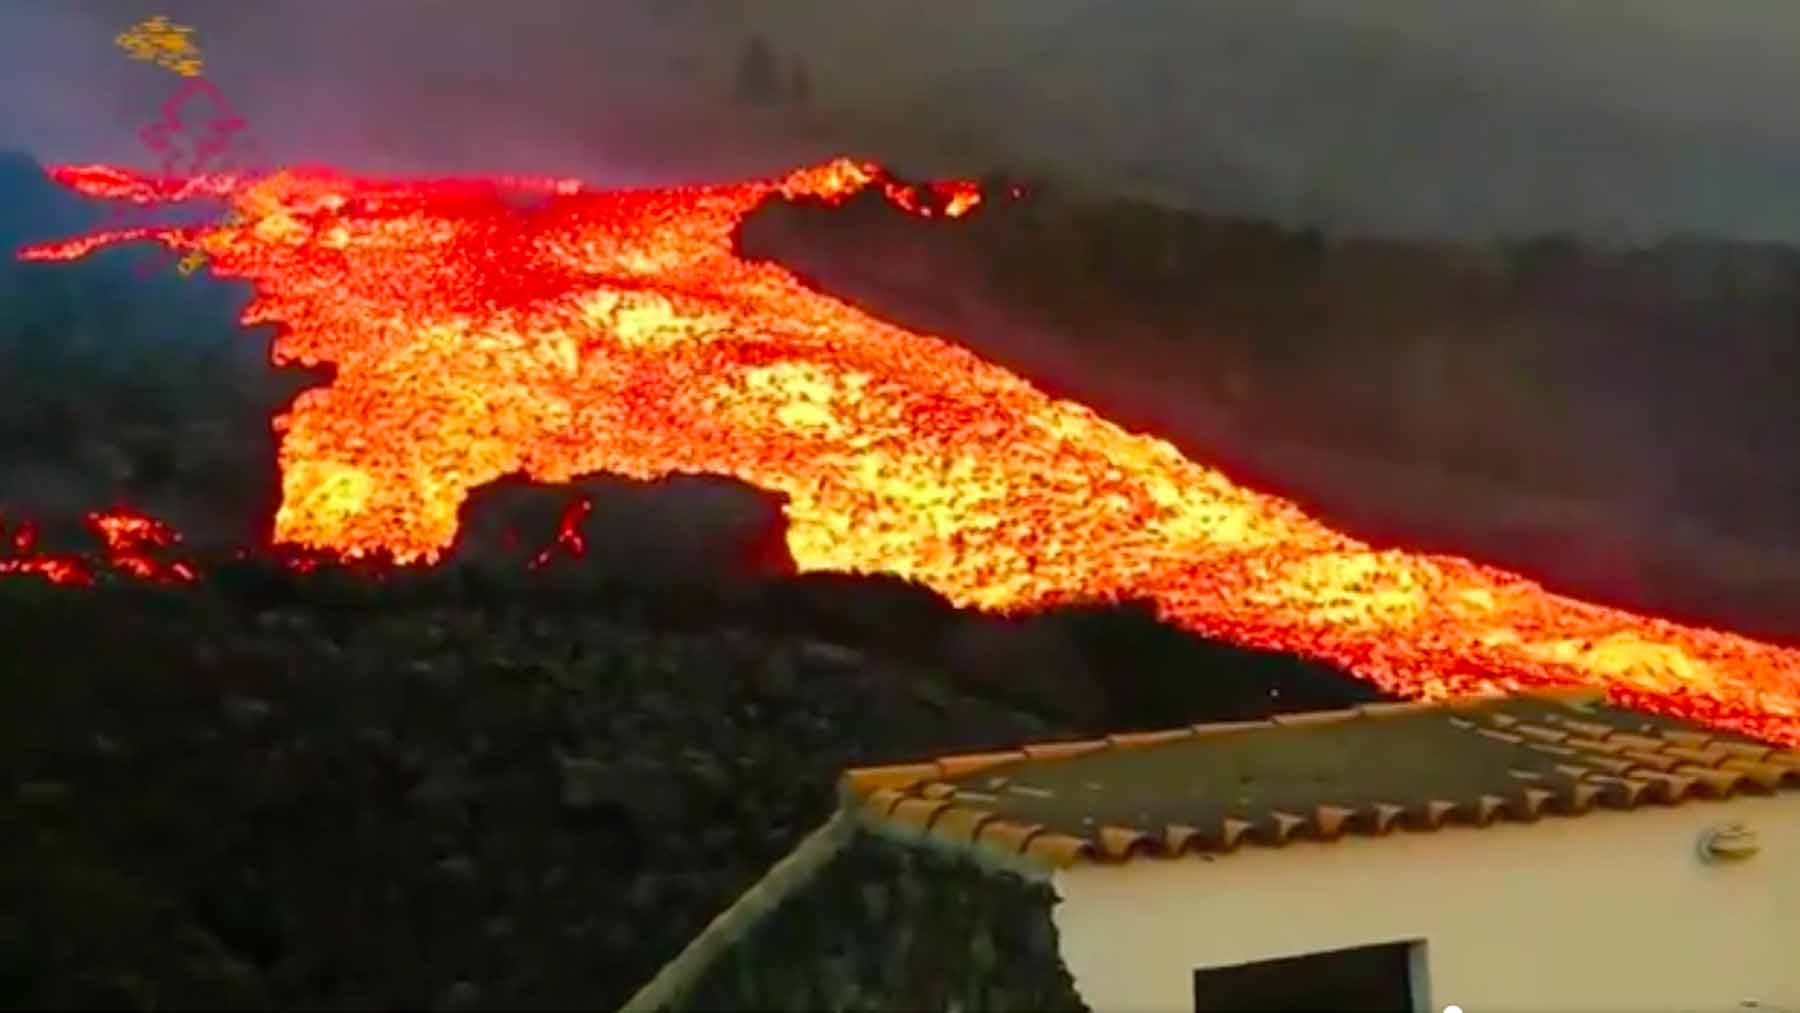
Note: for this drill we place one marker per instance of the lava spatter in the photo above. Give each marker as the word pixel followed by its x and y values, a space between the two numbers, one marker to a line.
pixel 619 332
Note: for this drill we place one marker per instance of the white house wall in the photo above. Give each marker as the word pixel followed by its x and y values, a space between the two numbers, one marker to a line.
pixel 1607 911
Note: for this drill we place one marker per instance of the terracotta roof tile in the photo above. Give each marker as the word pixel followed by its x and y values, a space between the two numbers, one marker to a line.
pixel 1120 842
pixel 1722 782
pixel 1585 795
pixel 1437 811
pixel 1746 750
pixel 1626 791
pixel 1285 824
pixel 1610 764
pixel 1177 837
pixel 959 824
pixel 1674 787
pixel 1232 831
pixel 1590 729
pixel 1653 759
pixel 1703 757
pixel 1213 788
pixel 1330 820
pixel 1767 775
pixel 916 813
pixel 1058 849
pixel 881 801
pixel 1588 745
pixel 1006 836
pixel 1533 802
pixel 1381 816
pixel 1487 807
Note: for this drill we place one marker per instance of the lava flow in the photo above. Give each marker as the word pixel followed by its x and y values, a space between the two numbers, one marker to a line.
pixel 128 543
pixel 619 332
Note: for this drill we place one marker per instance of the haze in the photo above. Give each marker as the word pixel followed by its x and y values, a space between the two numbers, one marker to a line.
pixel 1617 120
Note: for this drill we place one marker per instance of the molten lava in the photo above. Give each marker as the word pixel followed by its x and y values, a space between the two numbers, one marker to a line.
pixel 619 332
pixel 128 543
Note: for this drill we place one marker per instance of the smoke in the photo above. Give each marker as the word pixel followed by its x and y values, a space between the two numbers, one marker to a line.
pixel 1392 116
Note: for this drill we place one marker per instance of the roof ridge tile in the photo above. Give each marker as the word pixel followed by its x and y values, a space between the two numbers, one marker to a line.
pixel 1396 708
pixel 1062 750
pixel 1306 719
pixel 1222 727
pixel 899 775
pixel 967 763
pixel 1136 740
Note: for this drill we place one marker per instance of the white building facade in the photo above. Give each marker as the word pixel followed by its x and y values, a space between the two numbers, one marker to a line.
pixel 1611 911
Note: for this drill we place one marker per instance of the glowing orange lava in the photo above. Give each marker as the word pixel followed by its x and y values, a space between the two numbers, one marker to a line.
pixel 127 539
pixel 618 332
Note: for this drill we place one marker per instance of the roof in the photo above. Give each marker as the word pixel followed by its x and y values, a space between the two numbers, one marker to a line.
pixel 1320 776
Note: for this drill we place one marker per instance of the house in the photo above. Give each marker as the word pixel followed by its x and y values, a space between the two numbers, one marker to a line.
pixel 1530 852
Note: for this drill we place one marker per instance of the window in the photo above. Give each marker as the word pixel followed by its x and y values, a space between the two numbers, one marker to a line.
pixel 1364 978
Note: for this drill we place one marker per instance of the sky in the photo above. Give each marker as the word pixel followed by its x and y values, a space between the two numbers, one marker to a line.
pixel 1617 119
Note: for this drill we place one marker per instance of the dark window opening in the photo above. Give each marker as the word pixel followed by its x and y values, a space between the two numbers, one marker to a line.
pixel 1363 978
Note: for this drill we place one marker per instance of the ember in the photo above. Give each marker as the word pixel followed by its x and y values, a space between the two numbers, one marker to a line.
pixel 619 332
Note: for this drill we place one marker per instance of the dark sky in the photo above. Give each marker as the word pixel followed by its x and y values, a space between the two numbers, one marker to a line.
pixel 1617 118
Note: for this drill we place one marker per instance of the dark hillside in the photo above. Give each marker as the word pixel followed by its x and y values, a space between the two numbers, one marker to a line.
pixel 1618 423
pixel 396 798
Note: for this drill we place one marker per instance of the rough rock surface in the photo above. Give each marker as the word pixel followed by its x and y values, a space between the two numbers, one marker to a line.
pixel 886 927
pixel 427 807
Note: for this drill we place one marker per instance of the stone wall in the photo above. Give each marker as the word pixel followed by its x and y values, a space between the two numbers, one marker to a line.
pixel 884 926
